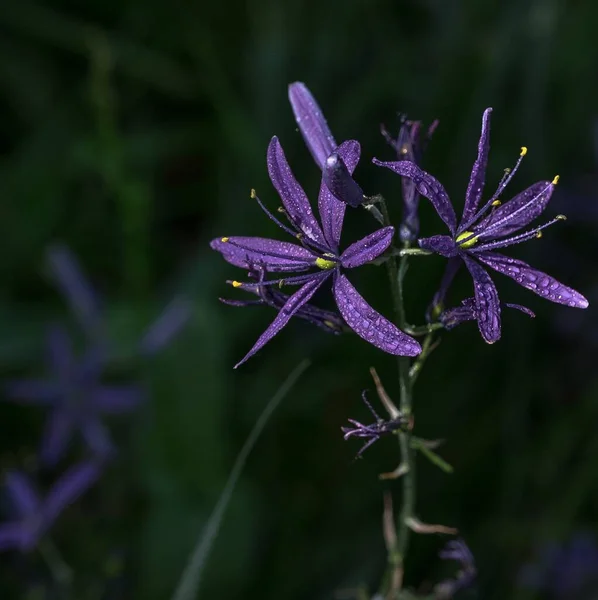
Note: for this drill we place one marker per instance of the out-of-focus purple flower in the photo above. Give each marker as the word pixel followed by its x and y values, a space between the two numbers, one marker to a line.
pixel 451 317
pixel 84 302
pixel 565 572
pixel 458 551
pixel 336 171
pixel 410 145
pixel 74 397
pixel 319 254
pixel 482 231
pixel 327 320
pixel 372 433
pixel 32 515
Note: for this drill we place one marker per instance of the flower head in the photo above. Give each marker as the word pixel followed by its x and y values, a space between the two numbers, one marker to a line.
pixel 484 230
pixel 318 257
pixel 74 397
pixel 410 145
pixel 336 172
pixel 458 551
pixel 33 516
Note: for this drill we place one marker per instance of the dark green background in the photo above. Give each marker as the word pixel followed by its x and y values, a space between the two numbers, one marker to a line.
pixel 133 131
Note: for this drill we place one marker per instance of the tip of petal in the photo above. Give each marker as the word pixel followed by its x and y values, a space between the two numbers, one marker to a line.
pixel 582 302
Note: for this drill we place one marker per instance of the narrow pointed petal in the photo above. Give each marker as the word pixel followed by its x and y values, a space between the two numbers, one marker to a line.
pixel 427 186
pixel 368 248
pixel 291 193
pixel 32 391
pixel 60 352
pixel 23 496
pixel 71 485
pixel 369 324
pixel 311 122
pixel 57 435
pixel 115 400
pixel 477 179
pixel 11 536
pixel 487 302
pixel 340 182
pixel 516 213
pixel 272 255
pixel 440 244
pixel 292 305
pixel 97 437
pixel 538 282
pixel 72 282
pixel 332 210
pixel 167 326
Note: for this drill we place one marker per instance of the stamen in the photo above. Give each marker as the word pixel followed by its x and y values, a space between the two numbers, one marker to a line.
pixel 292 233
pixel 467 239
pixel 224 240
pixel 238 284
pixel 556 179
pixel 326 264
pixel 518 239
pixel 298 280
pixel 496 203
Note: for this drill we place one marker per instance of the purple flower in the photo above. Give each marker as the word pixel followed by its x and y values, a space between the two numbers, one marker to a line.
pixel 458 551
pixel 74 397
pixel 566 571
pixel 410 145
pixel 336 172
pixel 79 293
pixel 482 231
pixel 318 257
pixel 33 516
pixel 328 320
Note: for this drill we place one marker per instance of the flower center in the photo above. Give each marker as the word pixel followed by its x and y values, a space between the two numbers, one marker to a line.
pixel 469 237
pixel 325 264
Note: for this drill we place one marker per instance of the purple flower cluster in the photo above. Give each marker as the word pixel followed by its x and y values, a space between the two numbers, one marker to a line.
pixel 74 398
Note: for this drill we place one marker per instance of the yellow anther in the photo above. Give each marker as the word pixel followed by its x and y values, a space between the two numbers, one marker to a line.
pixel 281 209
pixel 280 284
pixel 253 194
pixel 507 170
pixel 523 151
pixel 330 324
pixel 299 236
pixel 538 234
pixel 324 264
pixel 470 239
pixel 224 239
pixel 556 179
pixel 237 284
pixel 437 310
pixel 496 203
pixel 561 217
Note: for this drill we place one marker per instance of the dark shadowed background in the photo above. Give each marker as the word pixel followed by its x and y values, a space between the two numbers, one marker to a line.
pixel 133 132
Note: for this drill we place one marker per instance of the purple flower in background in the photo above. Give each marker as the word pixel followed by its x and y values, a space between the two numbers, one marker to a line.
pixel 458 551
pixel 74 397
pixel 482 231
pixel 33 516
pixel 327 320
pixel 567 571
pixel 319 251
pixel 410 145
pixel 80 295
pixel 451 317
pixel 336 171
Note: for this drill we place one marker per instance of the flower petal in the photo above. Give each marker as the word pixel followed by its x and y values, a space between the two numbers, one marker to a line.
pixel 332 210
pixel 487 302
pixel 32 391
pixel 57 434
pixel 272 255
pixel 115 399
pixel 292 305
pixel 23 495
pixel 440 244
pixel 167 326
pixel 538 282
pixel 340 182
pixel 311 122
pixel 427 186
pixel 71 485
pixel 97 437
pixel 60 352
pixel 516 213
pixel 369 324
pixel 11 536
pixel 368 248
pixel 291 193
pixel 477 178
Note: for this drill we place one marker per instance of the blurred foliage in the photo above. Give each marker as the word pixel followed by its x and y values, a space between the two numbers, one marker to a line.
pixel 133 132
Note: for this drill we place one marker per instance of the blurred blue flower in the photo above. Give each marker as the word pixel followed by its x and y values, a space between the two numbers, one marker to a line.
pixel 33 516
pixel 564 571
pixel 74 397
pixel 458 551
pixel 85 304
